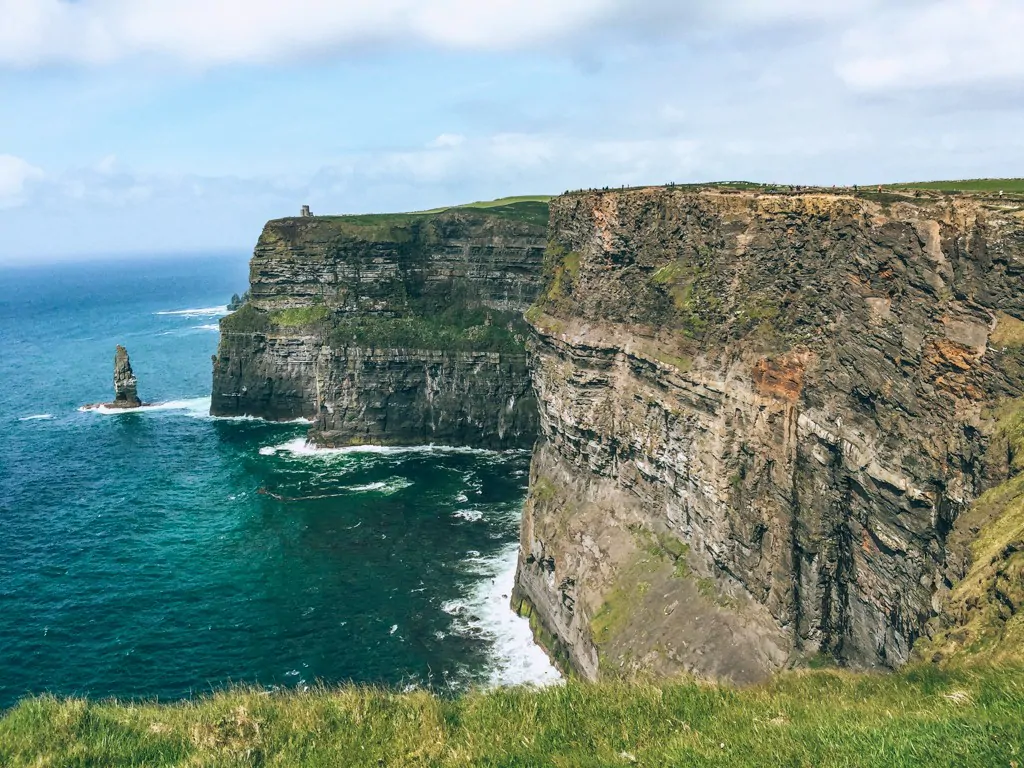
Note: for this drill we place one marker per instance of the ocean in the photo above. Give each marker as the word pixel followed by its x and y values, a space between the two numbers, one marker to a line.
pixel 163 554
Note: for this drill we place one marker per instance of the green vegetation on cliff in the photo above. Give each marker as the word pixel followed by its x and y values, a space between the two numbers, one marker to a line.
pixel 397 227
pixel 459 328
pixel 529 208
pixel 966 185
pixel 983 615
pixel 248 319
pixel 923 716
pixel 474 329
pixel 299 317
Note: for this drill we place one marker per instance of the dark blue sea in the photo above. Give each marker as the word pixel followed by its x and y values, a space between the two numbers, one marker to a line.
pixel 164 553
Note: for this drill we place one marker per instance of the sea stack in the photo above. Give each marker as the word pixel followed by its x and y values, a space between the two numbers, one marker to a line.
pixel 125 384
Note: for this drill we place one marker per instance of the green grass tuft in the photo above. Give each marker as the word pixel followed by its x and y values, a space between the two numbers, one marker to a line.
pixel 247 319
pixel 473 329
pixel 299 317
pixel 923 716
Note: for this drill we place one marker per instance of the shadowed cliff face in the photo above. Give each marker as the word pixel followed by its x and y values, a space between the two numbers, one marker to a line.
pixel 761 418
pixel 389 329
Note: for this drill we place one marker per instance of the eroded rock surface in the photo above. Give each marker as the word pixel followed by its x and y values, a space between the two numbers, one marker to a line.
pixel 390 329
pixel 125 384
pixel 761 417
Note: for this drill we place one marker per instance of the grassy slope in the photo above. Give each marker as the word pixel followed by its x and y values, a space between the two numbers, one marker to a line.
pixel 500 202
pixel 924 716
pixel 983 616
pixel 1010 186
pixel 528 208
pixel 965 185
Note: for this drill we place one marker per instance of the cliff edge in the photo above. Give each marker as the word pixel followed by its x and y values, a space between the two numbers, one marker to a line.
pixel 763 419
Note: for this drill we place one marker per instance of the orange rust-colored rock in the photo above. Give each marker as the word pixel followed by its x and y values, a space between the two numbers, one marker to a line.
pixel 782 378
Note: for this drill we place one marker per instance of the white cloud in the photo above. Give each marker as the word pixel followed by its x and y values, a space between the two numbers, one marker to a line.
pixel 208 32
pixel 15 175
pixel 527 163
pixel 949 42
pixel 446 140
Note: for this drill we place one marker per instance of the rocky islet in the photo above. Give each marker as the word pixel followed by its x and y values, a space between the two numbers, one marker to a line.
pixel 126 395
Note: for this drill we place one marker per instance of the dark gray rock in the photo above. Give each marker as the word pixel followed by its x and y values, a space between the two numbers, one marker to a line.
pixel 389 329
pixel 125 384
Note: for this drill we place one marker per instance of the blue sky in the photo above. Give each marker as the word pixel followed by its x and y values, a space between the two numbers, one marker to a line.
pixel 138 126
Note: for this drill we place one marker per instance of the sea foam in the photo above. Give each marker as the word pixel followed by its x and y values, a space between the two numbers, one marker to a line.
pixel 198 407
pixel 200 312
pixel 37 417
pixel 486 612
pixel 303 448
pixel 388 487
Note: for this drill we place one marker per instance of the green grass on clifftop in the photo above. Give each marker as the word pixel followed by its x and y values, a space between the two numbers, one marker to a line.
pixel 966 185
pixel 501 202
pixel 530 209
pixel 922 717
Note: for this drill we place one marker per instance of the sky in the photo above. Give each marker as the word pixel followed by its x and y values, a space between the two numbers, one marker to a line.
pixel 170 126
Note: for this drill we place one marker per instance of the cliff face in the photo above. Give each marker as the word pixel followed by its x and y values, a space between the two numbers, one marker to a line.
pixel 393 329
pixel 762 417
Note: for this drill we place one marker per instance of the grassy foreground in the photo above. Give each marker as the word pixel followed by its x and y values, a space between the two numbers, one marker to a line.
pixel 922 716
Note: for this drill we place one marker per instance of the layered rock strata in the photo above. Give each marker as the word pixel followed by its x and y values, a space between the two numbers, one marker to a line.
pixel 761 419
pixel 389 329
pixel 126 393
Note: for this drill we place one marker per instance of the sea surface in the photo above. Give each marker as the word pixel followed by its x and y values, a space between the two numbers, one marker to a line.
pixel 164 553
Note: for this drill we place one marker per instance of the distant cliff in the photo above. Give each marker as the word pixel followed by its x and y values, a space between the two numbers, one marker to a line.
pixel 390 329
pixel 764 418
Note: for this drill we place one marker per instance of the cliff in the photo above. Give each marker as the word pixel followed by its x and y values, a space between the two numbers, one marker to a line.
pixel 774 428
pixel 389 329
pixel 764 421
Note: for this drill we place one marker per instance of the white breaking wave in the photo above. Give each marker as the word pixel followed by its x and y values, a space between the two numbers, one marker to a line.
pixel 299 420
pixel 394 485
pixel 198 407
pixel 37 417
pixel 472 515
pixel 302 447
pixel 207 327
pixel 486 612
pixel 201 312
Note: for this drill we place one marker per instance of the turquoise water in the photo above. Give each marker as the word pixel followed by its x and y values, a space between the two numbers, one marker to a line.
pixel 164 553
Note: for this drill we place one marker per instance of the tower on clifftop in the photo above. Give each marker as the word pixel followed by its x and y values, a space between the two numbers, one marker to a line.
pixel 305 213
